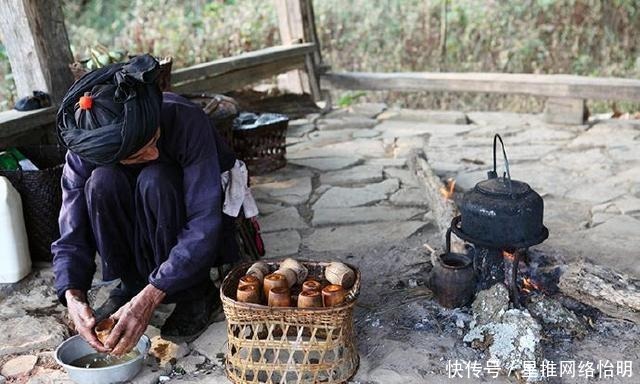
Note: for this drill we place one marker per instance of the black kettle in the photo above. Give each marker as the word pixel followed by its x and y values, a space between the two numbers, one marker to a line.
pixel 500 212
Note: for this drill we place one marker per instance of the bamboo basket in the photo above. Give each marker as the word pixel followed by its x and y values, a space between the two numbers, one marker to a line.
pixel 289 345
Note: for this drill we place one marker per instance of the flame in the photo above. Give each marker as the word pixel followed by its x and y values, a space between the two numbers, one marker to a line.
pixel 529 285
pixel 448 189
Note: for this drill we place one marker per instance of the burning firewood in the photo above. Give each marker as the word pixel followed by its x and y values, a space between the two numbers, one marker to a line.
pixel 616 294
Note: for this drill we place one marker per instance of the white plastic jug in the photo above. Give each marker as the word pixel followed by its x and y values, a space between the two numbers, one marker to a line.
pixel 15 261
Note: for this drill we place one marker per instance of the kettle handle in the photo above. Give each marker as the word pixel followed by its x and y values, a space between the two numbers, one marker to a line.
pixel 493 174
pixel 447 249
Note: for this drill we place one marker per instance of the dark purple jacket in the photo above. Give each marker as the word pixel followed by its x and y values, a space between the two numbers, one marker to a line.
pixel 188 140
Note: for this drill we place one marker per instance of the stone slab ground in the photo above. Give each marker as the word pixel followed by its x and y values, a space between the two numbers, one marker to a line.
pixel 347 194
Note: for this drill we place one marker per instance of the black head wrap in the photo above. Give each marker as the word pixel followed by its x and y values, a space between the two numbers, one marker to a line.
pixel 123 113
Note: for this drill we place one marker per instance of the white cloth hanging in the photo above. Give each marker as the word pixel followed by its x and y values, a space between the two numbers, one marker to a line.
pixel 237 194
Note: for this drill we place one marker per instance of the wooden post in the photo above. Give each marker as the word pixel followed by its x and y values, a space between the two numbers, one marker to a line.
pixel 564 110
pixel 36 41
pixel 297 24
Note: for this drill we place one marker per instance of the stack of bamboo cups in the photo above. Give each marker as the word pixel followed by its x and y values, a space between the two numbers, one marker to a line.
pixel 291 286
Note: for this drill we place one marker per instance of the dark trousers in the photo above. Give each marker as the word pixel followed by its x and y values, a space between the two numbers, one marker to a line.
pixel 136 214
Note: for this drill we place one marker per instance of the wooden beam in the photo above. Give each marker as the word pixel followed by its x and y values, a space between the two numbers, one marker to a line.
pixel 36 41
pixel 14 123
pixel 239 78
pixel 262 56
pixel 562 86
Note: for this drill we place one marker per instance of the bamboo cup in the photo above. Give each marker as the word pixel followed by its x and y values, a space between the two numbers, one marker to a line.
pixel 249 280
pixel 248 294
pixel 279 297
pixel 333 295
pixel 300 270
pixel 273 280
pixel 310 299
pixel 340 274
pixel 104 328
pixel 289 274
pixel 258 269
pixel 311 285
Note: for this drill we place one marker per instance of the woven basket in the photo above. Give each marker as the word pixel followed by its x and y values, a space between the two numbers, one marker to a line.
pixel 263 148
pixel 289 345
pixel 222 110
pixel 41 196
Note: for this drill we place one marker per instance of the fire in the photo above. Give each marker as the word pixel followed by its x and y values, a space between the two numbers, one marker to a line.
pixel 448 189
pixel 529 285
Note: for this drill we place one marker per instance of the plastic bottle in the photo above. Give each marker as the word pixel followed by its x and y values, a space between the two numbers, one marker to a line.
pixel 15 261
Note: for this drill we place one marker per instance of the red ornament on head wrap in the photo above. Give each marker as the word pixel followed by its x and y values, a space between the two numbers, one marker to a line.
pixel 85 102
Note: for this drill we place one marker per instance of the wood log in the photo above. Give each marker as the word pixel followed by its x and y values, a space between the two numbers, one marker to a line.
pixel 239 78
pixel 614 293
pixel 443 209
pixel 564 86
pixel 36 41
pixel 248 59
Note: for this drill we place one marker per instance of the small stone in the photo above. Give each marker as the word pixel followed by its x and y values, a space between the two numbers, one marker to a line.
pixel 326 163
pixel 18 366
pixel 360 235
pixel 27 333
pixel 190 363
pixel 326 216
pixel 356 175
pixel 212 342
pixel 490 304
pixel 353 197
pixel 512 341
pixel 409 197
pixel 167 351
pixel 163 379
pixel 281 244
pixel 287 218
pixel 551 313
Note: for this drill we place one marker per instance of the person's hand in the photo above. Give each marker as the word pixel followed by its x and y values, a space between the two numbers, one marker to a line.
pixel 133 319
pixel 82 317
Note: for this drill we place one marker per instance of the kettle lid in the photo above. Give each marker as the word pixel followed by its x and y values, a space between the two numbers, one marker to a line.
pixel 504 187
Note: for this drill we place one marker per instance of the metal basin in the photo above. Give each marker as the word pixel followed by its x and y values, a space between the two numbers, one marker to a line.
pixel 76 347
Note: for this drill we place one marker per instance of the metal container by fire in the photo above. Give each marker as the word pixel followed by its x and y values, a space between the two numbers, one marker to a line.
pixel 453 278
pixel 500 212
